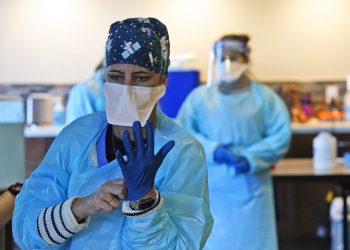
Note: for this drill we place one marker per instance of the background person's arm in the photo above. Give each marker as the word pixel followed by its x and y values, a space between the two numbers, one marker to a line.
pixel 7 201
pixel 266 152
pixel 188 119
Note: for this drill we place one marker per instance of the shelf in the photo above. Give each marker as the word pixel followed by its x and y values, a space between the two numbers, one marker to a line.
pixel 42 131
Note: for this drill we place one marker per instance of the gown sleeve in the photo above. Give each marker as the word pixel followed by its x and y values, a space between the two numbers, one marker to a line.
pixel 45 188
pixel 188 119
pixel 275 143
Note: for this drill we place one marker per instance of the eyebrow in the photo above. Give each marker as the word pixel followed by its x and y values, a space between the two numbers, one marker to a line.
pixel 134 73
pixel 115 71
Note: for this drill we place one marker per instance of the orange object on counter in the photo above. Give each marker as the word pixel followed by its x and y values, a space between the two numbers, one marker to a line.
pixel 298 115
pixel 330 115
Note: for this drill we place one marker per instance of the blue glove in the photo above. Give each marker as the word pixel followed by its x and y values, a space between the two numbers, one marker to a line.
pixel 223 155
pixel 141 166
pixel 240 164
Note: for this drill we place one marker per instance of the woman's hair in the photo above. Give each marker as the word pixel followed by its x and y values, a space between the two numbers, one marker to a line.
pixel 241 38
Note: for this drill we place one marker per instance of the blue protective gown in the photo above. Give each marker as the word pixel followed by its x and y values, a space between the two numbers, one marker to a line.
pixel 70 169
pixel 86 97
pixel 257 124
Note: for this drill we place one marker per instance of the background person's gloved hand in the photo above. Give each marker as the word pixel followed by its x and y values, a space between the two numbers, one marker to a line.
pixel 240 164
pixel 223 155
pixel 141 166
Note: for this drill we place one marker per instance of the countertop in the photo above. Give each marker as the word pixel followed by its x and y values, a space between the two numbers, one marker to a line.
pixel 317 126
pixel 42 131
pixel 304 167
pixel 312 127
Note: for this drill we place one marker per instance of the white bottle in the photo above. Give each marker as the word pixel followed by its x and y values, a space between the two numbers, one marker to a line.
pixel 336 216
pixel 346 100
pixel 324 151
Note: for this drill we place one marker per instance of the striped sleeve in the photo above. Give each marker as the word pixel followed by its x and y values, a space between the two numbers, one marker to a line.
pixel 56 224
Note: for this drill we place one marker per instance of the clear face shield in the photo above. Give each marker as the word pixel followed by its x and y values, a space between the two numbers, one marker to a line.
pixel 225 62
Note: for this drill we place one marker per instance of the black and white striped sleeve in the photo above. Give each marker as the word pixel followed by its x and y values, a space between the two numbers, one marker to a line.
pixel 56 224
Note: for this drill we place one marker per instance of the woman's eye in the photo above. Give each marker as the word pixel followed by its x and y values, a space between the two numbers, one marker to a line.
pixel 142 78
pixel 116 77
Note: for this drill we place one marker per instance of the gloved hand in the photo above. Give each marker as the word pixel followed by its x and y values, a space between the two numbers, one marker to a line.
pixel 240 164
pixel 141 166
pixel 223 155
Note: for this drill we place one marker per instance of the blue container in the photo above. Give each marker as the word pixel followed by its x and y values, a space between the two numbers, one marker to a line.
pixel 180 84
pixel 346 157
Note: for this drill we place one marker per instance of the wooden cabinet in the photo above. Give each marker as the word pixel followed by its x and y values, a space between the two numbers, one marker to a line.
pixel 36 149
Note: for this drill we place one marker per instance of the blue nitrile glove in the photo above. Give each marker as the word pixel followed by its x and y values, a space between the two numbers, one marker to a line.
pixel 223 155
pixel 240 164
pixel 141 166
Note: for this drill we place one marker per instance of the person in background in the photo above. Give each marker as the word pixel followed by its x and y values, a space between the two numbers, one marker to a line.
pixel 87 97
pixel 7 201
pixel 245 129
pixel 127 178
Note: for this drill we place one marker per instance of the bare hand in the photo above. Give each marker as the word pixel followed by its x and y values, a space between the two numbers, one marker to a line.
pixel 106 198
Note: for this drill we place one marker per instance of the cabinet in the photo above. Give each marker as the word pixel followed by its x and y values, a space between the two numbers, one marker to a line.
pixel 302 208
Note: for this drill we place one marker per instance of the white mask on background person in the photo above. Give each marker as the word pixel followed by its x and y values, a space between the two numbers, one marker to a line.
pixel 126 104
pixel 230 71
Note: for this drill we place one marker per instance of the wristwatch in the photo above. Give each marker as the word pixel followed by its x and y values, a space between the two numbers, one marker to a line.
pixel 143 204
pixel 15 188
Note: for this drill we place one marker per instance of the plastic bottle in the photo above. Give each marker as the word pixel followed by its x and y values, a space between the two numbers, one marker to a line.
pixel 324 151
pixel 336 216
pixel 346 100
pixel 59 112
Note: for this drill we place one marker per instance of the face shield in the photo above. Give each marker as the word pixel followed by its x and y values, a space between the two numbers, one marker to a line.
pixel 225 62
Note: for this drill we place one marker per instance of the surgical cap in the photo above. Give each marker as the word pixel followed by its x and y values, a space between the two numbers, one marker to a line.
pixel 139 41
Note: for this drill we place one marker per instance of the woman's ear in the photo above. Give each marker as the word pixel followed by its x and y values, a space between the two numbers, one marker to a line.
pixel 164 80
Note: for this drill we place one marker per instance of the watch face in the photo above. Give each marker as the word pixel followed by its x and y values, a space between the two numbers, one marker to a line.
pixel 143 204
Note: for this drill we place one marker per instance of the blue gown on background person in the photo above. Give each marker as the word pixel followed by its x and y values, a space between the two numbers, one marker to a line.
pixel 257 124
pixel 70 169
pixel 86 97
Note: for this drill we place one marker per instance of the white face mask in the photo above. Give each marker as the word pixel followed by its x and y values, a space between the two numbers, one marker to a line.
pixel 229 72
pixel 126 104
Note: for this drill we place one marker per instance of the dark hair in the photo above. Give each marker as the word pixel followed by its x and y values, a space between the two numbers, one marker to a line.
pixel 241 38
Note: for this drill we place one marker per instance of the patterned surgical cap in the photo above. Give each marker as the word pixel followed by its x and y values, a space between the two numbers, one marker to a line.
pixel 140 41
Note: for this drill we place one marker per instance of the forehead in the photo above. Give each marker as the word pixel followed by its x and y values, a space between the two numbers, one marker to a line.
pixel 124 67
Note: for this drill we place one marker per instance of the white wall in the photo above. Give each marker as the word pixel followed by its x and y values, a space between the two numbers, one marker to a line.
pixel 61 41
